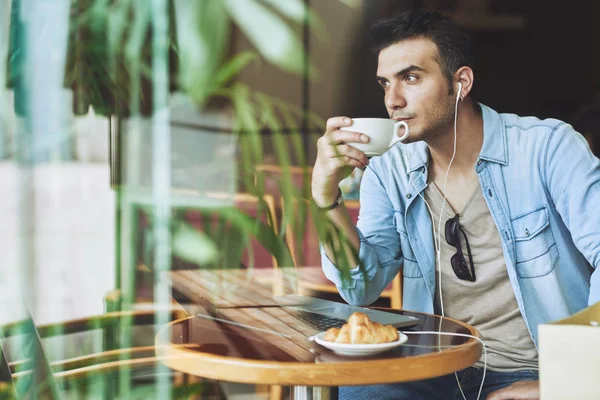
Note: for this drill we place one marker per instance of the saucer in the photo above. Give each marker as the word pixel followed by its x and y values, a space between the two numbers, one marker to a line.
pixel 347 349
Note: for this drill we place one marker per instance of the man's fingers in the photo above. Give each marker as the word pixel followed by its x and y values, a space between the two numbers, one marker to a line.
pixel 345 161
pixel 501 394
pixel 521 390
pixel 497 395
pixel 335 123
pixel 337 137
pixel 346 150
pixel 334 153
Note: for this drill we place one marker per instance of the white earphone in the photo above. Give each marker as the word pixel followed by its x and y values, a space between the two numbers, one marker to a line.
pixel 406 156
pixel 437 246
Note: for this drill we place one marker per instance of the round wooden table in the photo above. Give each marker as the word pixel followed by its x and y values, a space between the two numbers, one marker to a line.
pixel 259 346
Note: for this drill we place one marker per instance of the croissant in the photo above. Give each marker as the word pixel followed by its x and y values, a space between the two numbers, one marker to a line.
pixel 361 330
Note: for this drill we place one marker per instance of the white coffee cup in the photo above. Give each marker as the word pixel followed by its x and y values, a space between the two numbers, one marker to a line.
pixel 383 134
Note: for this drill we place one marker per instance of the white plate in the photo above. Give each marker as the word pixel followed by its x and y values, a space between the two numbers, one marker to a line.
pixel 346 349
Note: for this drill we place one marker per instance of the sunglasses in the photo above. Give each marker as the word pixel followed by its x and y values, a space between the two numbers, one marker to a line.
pixel 458 262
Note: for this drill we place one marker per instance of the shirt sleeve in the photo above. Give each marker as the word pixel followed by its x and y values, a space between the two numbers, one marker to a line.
pixel 573 181
pixel 379 252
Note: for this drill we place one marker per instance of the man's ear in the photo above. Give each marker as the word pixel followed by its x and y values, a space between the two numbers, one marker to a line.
pixel 464 76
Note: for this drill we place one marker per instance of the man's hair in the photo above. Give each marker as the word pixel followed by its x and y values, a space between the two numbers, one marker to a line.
pixel 452 40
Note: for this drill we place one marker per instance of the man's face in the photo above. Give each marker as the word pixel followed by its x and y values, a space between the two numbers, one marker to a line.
pixel 415 88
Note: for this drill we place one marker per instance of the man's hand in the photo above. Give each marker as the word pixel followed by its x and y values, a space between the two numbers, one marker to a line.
pixel 336 159
pixel 522 390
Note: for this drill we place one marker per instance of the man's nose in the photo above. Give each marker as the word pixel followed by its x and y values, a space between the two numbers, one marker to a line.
pixel 395 98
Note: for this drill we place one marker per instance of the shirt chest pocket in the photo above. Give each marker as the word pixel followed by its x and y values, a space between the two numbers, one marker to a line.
pixel 410 267
pixel 536 252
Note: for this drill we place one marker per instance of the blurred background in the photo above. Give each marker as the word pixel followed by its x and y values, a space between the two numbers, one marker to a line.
pixel 122 122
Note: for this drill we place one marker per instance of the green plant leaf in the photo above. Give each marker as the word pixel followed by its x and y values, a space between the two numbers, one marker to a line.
pixel 203 35
pixel 193 246
pixel 271 36
pixel 250 140
pixel 229 230
pixel 353 3
pixel 117 22
pixel 298 12
pixel 263 233
pixel 233 67
pixel 213 25
pixel 137 35
pixel 285 182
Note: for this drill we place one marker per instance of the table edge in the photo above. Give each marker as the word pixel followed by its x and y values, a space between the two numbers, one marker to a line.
pixel 312 374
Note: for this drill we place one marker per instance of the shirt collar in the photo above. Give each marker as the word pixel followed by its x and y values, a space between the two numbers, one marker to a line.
pixel 493 149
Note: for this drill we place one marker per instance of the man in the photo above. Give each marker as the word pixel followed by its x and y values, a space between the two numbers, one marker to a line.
pixel 520 191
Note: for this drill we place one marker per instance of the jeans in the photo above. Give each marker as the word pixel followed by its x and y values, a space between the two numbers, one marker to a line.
pixel 442 388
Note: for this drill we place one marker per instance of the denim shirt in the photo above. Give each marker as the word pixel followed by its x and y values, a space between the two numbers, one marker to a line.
pixel 541 183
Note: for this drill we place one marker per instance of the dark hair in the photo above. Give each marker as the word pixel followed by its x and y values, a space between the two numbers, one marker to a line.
pixel 452 40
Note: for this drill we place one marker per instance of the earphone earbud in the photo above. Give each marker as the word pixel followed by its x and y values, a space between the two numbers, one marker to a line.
pixel 459 91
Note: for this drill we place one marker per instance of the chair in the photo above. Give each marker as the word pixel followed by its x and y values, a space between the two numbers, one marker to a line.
pixel 273 176
pixel 200 211
pixel 251 254
pixel 307 258
pixel 37 380
pixel 119 364
pixel 204 214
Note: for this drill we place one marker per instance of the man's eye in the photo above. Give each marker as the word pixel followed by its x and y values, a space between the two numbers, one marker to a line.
pixel 384 84
pixel 411 78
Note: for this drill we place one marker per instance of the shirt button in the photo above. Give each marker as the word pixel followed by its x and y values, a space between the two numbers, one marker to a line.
pixel 527 232
pixel 490 192
pixel 408 196
pixel 479 162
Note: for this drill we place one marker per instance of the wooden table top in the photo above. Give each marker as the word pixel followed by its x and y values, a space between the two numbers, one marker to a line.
pixel 244 336
pixel 233 287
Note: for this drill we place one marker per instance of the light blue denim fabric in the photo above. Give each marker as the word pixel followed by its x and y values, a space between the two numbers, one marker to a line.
pixel 442 388
pixel 541 183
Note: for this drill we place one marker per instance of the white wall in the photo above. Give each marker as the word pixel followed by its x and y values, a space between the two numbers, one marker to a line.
pixel 56 217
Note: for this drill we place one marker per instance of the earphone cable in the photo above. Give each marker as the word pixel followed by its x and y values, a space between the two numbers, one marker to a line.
pixel 455 374
pixel 439 232
pixel 438 245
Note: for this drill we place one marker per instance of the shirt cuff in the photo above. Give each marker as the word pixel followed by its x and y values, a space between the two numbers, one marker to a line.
pixel 366 254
